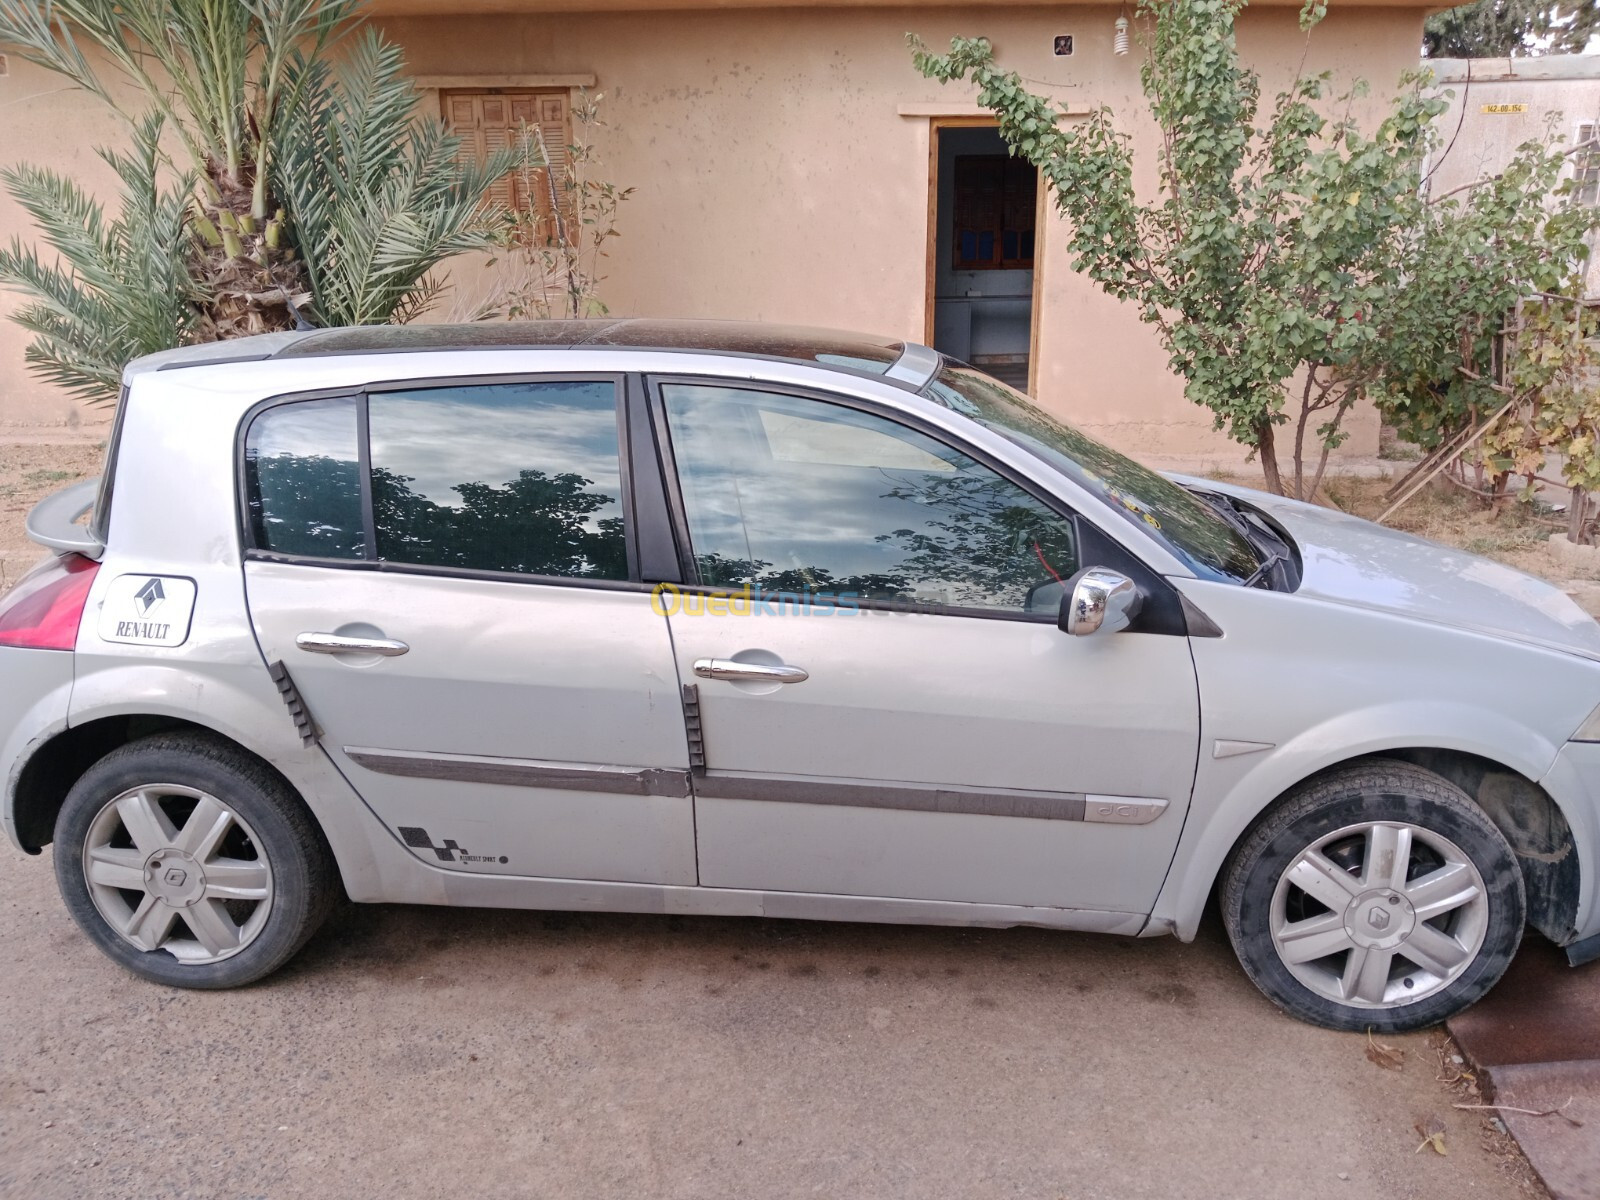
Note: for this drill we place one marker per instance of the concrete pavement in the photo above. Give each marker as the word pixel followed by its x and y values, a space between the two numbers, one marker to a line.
pixel 1537 1038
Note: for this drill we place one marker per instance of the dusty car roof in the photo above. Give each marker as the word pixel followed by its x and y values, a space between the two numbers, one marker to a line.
pixel 822 347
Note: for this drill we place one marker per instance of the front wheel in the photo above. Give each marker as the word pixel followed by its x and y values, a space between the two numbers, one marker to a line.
pixel 190 863
pixel 1377 897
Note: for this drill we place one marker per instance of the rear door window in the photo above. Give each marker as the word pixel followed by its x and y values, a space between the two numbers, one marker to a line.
pixel 521 477
pixel 512 478
pixel 302 467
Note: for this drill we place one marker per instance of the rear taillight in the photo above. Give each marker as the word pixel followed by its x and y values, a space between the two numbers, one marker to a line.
pixel 42 612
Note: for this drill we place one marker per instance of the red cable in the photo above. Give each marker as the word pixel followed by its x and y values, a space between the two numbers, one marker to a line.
pixel 1039 554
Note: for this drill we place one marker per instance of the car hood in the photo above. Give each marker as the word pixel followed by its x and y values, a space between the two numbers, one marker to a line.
pixel 1354 562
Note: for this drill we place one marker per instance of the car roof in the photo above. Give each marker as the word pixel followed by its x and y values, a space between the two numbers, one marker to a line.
pixel 902 362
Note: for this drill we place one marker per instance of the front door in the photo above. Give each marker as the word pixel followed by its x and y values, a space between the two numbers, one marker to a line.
pixel 445 574
pixel 886 705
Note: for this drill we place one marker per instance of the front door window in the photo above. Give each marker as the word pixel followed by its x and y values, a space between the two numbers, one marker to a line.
pixel 793 495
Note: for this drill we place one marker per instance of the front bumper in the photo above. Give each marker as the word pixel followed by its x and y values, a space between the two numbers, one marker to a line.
pixel 1574 782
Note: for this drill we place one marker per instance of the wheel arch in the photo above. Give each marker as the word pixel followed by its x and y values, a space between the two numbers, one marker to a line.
pixel 60 761
pixel 372 864
pixel 1545 833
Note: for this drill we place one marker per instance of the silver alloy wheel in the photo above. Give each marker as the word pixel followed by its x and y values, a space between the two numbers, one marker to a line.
pixel 173 868
pixel 1397 913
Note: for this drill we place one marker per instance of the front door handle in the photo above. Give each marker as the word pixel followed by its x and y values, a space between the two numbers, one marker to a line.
pixel 335 643
pixel 727 668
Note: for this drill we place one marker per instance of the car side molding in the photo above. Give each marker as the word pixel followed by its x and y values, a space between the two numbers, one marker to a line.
pixel 730 785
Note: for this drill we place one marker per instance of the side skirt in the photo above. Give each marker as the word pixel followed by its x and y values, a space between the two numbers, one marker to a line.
pixel 571 895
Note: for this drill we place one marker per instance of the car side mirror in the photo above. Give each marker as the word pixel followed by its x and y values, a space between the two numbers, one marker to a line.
pixel 1099 600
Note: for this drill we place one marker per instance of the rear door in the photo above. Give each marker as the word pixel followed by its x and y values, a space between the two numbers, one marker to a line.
pixel 886 705
pixel 448 575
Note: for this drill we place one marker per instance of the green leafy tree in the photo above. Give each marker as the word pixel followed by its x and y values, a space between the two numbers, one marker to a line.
pixel 1465 262
pixel 1281 253
pixel 1501 28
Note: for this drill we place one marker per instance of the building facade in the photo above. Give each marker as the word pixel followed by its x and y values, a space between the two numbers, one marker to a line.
pixel 1497 104
pixel 791 165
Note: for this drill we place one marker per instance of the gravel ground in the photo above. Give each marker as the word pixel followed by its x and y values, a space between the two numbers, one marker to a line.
pixel 415 1052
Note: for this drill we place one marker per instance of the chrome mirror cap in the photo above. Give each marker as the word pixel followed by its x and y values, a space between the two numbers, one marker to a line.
pixel 1099 600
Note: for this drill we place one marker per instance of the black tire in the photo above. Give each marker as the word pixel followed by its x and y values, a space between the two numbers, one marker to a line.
pixel 1375 791
pixel 303 878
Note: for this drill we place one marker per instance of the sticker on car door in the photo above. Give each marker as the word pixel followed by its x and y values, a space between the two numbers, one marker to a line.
pixel 147 610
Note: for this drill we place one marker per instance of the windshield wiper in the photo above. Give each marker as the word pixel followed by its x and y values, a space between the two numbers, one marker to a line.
pixel 1272 559
pixel 1260 540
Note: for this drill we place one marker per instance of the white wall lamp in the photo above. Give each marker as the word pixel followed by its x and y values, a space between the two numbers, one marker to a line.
pixel 1119 39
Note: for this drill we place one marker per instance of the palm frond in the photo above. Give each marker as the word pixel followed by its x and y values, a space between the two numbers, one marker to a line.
pixel 117 288
pixel 378 190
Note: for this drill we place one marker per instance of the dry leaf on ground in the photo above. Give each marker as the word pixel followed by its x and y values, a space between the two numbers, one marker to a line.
pixel 1432 1131
pixel 1390 1058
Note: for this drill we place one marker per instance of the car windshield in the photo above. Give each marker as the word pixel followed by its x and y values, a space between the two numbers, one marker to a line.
pixel 1195 533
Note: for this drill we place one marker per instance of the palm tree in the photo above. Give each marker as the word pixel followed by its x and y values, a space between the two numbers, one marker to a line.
pixel 222 74
pixel 307 189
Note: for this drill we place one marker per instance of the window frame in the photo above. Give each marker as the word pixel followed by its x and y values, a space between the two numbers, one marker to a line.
pixel 628 449
pixel 999 261
pixel 1586 165
pixel 689 571
pixel 567 203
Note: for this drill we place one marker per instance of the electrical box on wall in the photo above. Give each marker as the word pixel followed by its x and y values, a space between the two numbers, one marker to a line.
pixel 1062 46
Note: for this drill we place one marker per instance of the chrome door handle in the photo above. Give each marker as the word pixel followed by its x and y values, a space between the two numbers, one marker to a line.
pixel 334 643
pixel 726 668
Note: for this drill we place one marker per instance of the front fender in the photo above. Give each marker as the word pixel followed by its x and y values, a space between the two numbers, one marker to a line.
pixel 1231 792
pixel 1296 685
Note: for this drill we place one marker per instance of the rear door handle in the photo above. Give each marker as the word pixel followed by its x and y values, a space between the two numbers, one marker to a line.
pixel 334 643
pixel 727 668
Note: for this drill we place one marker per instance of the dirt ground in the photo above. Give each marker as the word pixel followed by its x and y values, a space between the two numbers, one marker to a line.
pixel 28 473
pixel 415 1052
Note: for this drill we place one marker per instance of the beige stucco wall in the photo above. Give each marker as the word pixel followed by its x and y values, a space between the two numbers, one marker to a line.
pixel 1479 144
pixel 778 181
pixel 45 122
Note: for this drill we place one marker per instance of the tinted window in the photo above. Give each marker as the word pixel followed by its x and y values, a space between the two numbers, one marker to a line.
pixel 796 495
pixel 520 477
pixel 303 480
pixel 1188 527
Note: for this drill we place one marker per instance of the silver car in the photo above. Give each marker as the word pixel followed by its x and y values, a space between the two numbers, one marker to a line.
pixel 712 618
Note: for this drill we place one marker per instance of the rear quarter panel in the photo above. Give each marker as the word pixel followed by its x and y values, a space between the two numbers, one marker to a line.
pixel 35 691
pixel 174 514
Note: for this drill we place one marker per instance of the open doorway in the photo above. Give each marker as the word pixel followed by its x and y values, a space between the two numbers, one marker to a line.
pixel 982 246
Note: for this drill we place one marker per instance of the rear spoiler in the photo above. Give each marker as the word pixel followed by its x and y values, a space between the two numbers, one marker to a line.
pixel 54 521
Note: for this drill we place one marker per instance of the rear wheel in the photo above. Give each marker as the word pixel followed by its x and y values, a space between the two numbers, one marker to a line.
pixel 1376 897
pixel 190 863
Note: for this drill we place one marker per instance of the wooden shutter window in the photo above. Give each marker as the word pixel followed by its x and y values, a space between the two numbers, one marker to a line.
pixel 489 121
pixel 994 212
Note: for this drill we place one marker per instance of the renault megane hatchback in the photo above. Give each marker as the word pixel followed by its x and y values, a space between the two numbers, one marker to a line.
pixel 713 618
